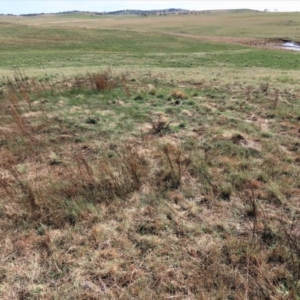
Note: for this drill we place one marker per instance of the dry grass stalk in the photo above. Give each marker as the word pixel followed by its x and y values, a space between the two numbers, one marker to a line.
pixel 25 96
pixel 26 188
pixel 124 81
pixel 249 90
pixel 276 99
pixel 291 237
pixel 254 211
pixel 16 114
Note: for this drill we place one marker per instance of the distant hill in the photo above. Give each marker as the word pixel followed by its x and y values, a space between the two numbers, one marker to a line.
pixel 163 11
pixel 168 11
pixel 133 12
pixel 150 12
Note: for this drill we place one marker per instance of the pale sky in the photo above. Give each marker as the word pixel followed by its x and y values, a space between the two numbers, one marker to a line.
pixel 51 6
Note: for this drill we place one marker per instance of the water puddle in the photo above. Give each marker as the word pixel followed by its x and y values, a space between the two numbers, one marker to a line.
pixel 291 46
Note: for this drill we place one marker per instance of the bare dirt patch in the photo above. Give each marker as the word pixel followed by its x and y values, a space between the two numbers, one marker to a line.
pixel 252 42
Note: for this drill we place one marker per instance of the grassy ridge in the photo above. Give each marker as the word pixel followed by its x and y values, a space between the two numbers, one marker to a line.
pixel 257 25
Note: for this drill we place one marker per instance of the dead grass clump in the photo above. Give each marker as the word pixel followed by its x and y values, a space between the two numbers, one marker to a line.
pixel 100 81
pixel 23 127
pixel 151 89
pixel 103 82
pixel 170 176
pixel 177 94
pixel 160 126
pixel 171 167
pixel 264 87
pixel 102 181
pixel 16 113
pixel 25 88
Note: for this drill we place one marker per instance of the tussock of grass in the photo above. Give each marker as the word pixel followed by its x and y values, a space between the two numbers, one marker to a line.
pixel 177 94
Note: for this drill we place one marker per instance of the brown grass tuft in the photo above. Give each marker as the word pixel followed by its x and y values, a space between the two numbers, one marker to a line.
pixel 177 94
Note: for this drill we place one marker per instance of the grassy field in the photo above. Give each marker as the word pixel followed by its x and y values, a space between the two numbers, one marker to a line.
pixel 50 44
pixel 258 25
pixel 149 158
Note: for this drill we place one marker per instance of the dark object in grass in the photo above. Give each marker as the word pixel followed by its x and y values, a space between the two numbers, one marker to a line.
pixel 160 126
pixel 225 193
pixel 236 138
pixel 138 97
pixel 92 120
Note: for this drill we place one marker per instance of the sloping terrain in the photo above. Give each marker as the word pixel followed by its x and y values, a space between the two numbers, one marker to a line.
pixel 147 166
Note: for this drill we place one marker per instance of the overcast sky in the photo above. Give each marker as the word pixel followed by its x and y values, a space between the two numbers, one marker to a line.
pixel 49 6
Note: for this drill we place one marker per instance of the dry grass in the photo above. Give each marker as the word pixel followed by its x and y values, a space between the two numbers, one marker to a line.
pixel 209 212
pixel 177 94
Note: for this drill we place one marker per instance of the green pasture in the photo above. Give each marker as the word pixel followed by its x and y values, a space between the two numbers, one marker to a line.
pixel 56 47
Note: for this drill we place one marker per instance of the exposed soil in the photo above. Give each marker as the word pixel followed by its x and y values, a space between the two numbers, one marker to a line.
pixel 254 42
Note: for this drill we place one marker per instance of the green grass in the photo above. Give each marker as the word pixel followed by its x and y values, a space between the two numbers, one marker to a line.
pixel 48 48
pixel 29 37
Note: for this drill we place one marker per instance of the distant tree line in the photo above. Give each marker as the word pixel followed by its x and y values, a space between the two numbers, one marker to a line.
pixel 23 15
pixel 31 15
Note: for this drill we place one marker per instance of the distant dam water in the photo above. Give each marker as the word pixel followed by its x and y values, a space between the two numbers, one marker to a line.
pixel 291 46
